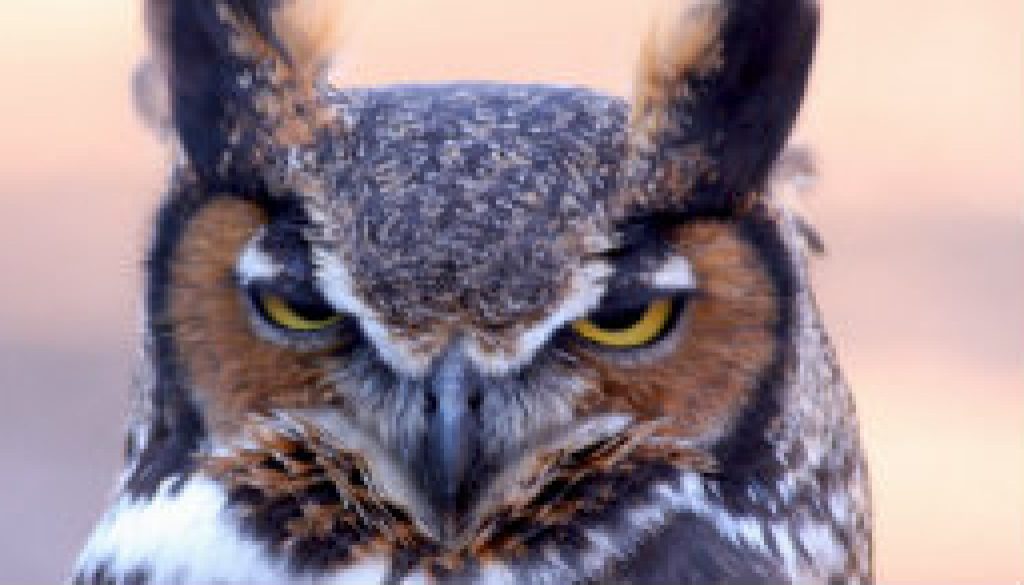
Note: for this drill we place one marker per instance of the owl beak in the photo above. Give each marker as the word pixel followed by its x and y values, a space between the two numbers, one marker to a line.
pixel 452 442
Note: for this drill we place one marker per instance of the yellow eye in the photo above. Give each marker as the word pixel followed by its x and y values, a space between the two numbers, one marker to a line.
pixel 284 315
pixel 628 328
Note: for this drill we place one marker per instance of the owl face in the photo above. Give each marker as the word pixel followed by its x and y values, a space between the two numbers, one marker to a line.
pixel 267 314
pixel 461 291
pixel 467 327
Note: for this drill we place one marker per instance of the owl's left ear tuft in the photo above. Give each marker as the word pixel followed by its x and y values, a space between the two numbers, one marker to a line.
pixel 717 90
pixel 241 75
pixel 299 34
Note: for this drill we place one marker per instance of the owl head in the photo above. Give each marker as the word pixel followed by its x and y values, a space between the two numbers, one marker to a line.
pixel 470 321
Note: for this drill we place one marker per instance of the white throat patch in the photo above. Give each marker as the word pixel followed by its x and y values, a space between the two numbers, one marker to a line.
pixel 187 535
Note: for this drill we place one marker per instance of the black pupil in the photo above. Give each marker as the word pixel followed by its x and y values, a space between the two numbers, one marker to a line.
pixel 310 310
pixel 304 303
pixel 619 319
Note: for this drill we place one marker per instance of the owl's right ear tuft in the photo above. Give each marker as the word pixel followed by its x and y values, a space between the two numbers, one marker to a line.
pixel 240 75
pixel 718 87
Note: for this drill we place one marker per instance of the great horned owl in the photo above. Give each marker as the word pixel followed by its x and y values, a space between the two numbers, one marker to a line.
pixel 481 333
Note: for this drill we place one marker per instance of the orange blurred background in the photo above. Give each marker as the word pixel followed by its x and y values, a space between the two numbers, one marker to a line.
pixel 916 112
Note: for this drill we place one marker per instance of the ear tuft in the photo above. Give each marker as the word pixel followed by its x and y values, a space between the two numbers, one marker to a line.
pixel 309 31
pixel 299 35
pixel 718 88
pixel 241 79
pixel 683 40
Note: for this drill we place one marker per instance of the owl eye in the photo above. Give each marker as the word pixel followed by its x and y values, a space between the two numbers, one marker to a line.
pixel 297 317
pixel 632 327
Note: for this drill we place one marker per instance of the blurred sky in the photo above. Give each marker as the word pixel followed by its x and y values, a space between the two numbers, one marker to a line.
pixel 916 112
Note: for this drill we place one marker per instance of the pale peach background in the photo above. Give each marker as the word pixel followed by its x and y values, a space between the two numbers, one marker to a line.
pixel 915 111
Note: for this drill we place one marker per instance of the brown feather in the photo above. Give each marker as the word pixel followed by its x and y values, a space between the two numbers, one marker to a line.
pixel 726 342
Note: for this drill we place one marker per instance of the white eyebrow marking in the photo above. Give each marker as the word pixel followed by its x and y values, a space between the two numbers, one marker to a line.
pixel 675 274
pixel 587 286
pixel 254 263
pixel 335 282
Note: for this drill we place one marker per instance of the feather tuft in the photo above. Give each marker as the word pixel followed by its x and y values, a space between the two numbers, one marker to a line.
pixel 684 41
